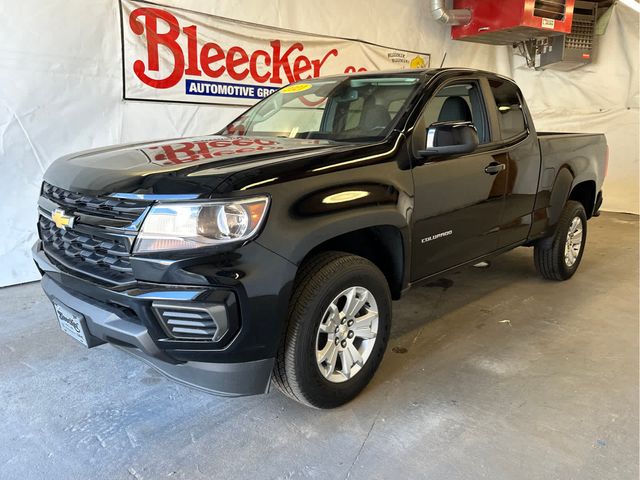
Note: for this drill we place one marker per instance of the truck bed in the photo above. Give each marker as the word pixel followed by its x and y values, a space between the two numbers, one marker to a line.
pixel 584 154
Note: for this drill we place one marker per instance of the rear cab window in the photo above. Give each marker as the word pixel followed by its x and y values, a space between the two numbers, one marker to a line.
pixel 511 118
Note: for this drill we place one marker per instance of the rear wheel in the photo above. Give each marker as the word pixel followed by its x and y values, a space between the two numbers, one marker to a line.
pixel 339 322
pixel 558 257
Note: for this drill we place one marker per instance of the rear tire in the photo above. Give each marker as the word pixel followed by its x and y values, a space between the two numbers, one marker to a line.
pixel 339 324
pixel 558 257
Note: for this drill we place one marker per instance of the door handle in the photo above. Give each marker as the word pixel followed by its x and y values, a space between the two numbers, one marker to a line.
pixel 494 168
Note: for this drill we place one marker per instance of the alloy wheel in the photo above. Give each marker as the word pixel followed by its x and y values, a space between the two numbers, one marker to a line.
pixel 573 244
pixel 346 334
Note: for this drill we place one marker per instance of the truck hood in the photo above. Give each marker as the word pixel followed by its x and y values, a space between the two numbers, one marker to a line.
pixel 195 165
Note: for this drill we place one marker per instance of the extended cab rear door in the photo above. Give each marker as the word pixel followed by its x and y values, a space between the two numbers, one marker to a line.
pixel 519 149
pixel 458 199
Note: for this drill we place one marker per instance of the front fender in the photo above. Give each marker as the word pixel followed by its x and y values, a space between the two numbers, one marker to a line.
pixel 306 234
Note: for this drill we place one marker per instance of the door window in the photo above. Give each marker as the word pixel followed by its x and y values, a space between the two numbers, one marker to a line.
pixel 460 102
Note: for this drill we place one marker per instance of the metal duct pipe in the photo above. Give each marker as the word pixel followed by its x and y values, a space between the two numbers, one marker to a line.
pixel 439 11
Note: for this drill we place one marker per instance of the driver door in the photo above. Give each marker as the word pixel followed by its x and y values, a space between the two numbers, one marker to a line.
pixel 458 201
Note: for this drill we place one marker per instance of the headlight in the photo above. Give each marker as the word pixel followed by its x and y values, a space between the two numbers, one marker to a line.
pixel 183 226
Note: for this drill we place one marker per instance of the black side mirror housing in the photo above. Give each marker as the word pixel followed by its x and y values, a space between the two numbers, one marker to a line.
pixel 450 138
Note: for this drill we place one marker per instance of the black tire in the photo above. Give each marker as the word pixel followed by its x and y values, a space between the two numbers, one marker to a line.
pixel 549 253
pixel 320 280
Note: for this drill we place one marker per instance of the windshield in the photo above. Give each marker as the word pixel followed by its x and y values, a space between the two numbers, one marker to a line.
pixel 337 109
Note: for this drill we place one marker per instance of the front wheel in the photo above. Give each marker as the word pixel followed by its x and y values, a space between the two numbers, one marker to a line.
pixel 339 323
pixel 558 257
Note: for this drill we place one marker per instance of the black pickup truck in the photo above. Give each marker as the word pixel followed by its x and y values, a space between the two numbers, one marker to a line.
pixel 271 251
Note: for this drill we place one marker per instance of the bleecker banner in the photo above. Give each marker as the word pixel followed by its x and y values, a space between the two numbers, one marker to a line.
pixel 176 55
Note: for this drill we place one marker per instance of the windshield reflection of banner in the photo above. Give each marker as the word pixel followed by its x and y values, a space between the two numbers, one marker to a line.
pixel 176 55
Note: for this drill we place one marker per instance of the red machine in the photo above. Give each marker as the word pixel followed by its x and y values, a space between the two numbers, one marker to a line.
pixel 505 22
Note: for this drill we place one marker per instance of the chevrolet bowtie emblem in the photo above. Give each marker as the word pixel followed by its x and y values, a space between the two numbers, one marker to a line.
pixel 61 220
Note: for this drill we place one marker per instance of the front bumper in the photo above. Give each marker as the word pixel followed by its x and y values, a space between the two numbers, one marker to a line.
pixel 236 368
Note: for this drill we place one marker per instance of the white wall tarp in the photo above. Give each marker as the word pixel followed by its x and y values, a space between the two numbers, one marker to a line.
pixel 61 89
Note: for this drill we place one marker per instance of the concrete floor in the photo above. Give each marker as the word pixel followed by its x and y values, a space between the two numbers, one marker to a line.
pixel 491 373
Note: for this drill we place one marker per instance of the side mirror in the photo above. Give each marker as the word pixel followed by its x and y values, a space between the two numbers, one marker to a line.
pixel 450 138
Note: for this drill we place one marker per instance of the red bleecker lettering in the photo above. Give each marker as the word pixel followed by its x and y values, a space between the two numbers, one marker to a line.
pixel 274 66
pixel 241 142
pixel 203 150
pixel 282 61
pixel 301 65
pixel 192 49
pixel 253 66
pixel 154 41
pixel 184 154
pixel 237 57
pixel 220 143
pixel 317 64
pixel 207 59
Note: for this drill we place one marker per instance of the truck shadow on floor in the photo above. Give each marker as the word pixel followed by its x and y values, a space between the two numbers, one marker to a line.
pixel 439 297
pixel 462 307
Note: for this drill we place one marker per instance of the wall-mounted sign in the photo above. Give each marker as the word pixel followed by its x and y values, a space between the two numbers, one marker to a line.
pixel 176 55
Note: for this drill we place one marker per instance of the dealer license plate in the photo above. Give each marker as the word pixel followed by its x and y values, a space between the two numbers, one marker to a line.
pixel 71 323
